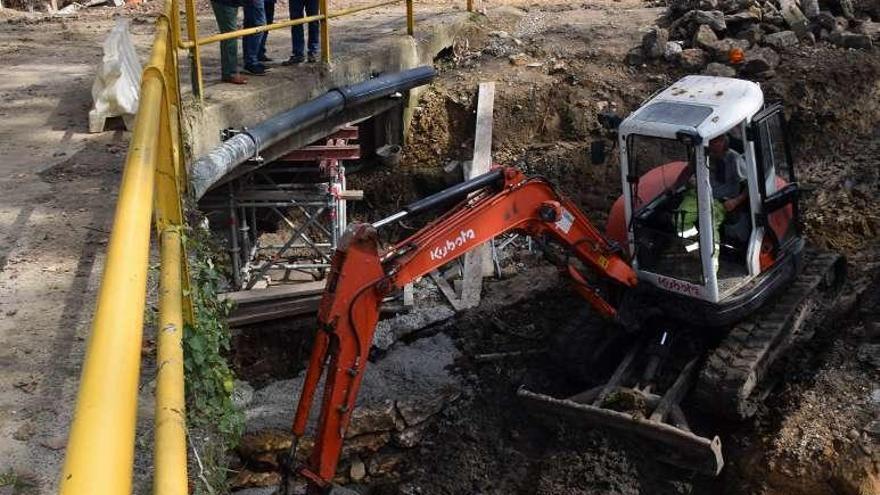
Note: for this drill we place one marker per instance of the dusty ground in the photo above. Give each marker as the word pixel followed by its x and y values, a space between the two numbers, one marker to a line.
pixel 56 185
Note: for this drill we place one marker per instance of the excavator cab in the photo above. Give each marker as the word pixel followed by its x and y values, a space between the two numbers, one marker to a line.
pixel 708 204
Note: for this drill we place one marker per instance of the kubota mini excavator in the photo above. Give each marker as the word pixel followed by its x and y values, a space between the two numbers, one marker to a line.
pixel 669 268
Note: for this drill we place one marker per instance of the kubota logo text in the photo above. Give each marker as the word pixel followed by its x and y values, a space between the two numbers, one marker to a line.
pixel 451 245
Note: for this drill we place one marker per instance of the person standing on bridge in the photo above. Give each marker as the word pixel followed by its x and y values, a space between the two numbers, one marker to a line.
pixel 226 13
pixel 298 10
pixel 270 18
pixel 255 15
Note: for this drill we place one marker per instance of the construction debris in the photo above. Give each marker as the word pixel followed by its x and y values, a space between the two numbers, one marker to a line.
pixel 383 415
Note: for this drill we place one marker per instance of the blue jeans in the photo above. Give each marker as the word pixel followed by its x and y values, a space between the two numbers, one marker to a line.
pixel 254 15
pixel 270 18
pixel 310 8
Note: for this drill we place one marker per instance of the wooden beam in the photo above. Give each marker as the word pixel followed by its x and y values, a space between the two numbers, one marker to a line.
pixel 447 290
pixel 273 310
pixel 288 291
pixel 351 195
pixel 478 263
pixel 482 161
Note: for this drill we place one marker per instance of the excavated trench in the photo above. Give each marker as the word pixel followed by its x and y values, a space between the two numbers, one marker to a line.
pixel 438 418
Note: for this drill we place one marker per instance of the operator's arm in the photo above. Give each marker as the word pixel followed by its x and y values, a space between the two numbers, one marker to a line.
pixel 743 197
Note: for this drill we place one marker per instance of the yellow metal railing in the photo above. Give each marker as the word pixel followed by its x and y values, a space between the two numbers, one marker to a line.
pixel 194 43
pixel 100 449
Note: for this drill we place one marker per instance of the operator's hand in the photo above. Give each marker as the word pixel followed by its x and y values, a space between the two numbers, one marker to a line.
pixel 733 203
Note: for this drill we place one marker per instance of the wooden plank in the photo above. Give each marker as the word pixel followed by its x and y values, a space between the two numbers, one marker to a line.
pixel 408 296
pixel 472 280
pixel 478 262
pixel 482 161
pixel 246 315
pixel 447 291
pixel 288 291
pixel 351 195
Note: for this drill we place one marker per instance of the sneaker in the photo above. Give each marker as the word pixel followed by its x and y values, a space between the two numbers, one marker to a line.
pixel 294 60
pixel 256 70
pixel 313 57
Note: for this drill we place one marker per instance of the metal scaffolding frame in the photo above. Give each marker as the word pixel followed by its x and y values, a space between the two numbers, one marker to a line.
pixel 305 193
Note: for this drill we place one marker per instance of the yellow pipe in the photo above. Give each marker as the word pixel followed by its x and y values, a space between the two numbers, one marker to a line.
pixel 325 32
pixel 470 5
pixel 410 20
pixel 254 30
pixel 100 449
pixel 280 25
pixel 192 32
pixel 169 448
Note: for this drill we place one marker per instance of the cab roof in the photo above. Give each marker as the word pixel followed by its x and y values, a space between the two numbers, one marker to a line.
pixel 706 105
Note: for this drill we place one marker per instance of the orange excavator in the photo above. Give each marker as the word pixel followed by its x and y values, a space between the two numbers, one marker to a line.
pixel 360 277
pixel 668 255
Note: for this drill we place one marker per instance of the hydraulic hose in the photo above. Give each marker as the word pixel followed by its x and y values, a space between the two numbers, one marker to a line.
pixel 209 169
pixel 459 191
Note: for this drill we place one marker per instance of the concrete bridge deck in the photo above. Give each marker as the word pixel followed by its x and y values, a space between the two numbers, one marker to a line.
pixel 362 45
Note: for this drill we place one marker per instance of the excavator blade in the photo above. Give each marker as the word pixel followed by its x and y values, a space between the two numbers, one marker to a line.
pixel 674 445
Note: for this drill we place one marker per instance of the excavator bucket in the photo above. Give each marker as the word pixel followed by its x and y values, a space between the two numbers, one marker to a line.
pixel 641 414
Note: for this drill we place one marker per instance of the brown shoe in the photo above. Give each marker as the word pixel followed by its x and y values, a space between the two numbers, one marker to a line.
pixel 236 79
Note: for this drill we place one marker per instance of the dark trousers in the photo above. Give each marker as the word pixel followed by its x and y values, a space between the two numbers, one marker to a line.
pixel 297 10
pixel 227 17
pixel 254 15
pixel 270 18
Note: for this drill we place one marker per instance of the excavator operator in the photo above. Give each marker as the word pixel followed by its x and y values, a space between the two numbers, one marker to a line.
pixel 727 173
pixel 727 177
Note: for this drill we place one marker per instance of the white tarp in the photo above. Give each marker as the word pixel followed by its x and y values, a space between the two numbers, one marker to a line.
pixel 118 81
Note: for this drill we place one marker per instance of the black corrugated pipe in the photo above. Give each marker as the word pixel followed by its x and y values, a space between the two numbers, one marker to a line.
pixel 209 169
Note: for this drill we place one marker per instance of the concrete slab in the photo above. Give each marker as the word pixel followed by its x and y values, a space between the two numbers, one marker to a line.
pixel 362 45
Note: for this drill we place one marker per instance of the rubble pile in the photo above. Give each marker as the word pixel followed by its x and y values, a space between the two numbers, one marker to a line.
pixel 399 399
pixel 748 37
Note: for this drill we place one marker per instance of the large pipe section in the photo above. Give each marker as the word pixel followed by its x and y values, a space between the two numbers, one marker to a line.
pixel 209 169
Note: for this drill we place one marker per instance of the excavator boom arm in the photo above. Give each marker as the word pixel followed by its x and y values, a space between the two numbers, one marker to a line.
pixel 359 279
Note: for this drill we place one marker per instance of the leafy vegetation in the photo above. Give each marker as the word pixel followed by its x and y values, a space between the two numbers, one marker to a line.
pixel 209 379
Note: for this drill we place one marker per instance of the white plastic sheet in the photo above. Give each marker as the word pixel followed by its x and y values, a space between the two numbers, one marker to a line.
pixel 117 83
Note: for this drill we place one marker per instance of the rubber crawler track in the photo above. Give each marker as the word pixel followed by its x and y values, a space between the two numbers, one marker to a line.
pixel 730 383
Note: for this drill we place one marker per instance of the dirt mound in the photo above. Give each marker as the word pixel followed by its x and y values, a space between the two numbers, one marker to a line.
pixel 831 97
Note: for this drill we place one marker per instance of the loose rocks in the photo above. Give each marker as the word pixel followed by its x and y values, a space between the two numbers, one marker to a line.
pixel 654 43
pixel 720 70
pixel 781 40
pixel 694 59
pixel 715 27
